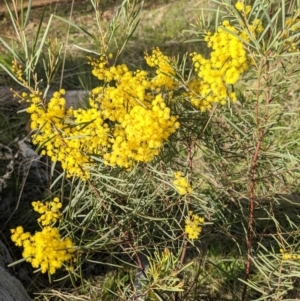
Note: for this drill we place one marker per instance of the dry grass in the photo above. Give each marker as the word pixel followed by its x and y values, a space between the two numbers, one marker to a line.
pixel 162 25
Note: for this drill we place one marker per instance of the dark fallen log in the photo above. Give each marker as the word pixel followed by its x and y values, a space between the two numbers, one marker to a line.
pixel 11 289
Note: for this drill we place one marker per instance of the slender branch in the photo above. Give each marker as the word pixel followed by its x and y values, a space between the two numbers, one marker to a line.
pixel 255 157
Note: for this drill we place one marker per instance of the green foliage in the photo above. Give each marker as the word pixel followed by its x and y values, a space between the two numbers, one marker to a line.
pixel 239 162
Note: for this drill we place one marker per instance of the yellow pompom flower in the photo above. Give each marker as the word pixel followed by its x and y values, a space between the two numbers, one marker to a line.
pixel 45 249
pixel 240 6
pixel 17 236
pixel 68 135
pixel 165 72
pixel 193 225
pixel 289 256
pixel 181 184
pixel 228 60
pixel 50 211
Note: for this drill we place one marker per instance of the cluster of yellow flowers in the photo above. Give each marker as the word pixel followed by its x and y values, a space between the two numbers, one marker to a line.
pixel 289 256
pixel 68 136
pixel 17 70
pixel 127 122
pixel 254 27
pixel 228 60
pixel 292 25
pixel 50 211
pixel 45 249
pixel 128 119
pixel 193 225
pixel 165 71
pixel 133 103
pixel 141 134
pixel 181 184
pixel 243 8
